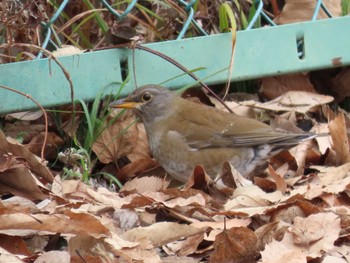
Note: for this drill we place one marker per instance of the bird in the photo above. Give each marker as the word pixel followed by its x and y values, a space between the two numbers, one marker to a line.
pixel 183 134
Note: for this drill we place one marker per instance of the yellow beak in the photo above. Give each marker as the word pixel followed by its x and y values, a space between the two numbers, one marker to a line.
pixel 123 104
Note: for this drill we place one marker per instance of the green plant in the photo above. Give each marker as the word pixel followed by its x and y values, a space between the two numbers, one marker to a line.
pixel 345 7
pixel 95 122
pixel 227 21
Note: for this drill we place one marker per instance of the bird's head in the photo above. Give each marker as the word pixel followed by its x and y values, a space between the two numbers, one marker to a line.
pixel 149 102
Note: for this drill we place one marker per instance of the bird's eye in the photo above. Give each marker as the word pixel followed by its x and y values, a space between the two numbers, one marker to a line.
pixel 146 97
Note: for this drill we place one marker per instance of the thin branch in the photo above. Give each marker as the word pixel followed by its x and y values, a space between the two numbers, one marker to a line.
pixel 28 96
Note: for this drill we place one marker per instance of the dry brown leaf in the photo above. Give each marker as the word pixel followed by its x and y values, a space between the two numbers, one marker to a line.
pixel 300 153
pixel 334 180
pixel 287 214
pixel 93 250
pixel 309 237
pixel 145 184
pixel 75 258
pixel 17 204
pixel 108 198
pixel 54 257
pixel 299 101
pixel 122 138
pixel 23 130
pixel 142 251
pixel 14 245
pixel 252 196
pixel 136 167
pixel 280 183
pixel 316 233
pixel 328 175
pixel 70 122
pixel 238 244
pixel 173 198
pixel 34 164
pixel 20 223
pixel 184 247
pixel 10 162
pixel 236 107
pixel 302 10
pixel 270 231
pixel 273 87
pixel 324 142
pixel 343 251
pixel 162 233
pixel 220 226
pixel 331 182
pixel 198 179
pixel 276 252
pixel 238 180
pixel 176 259
pixel 51 147
pixel 6 256
pixel 265 184
pixel 110 247
pixel 141 150
pixel 334 259
pixel 25 115
pixel 340 140
pixel 66 50
pixel 21 182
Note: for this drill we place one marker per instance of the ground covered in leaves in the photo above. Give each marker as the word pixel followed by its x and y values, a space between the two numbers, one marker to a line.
pixel 106 199
pixel 298 211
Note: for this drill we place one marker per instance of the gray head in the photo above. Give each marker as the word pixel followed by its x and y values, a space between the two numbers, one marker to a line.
pixel 148 102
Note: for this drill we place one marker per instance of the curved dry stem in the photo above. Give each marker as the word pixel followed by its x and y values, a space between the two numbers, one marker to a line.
pixel 28 96
pixel 65 72
pixel 184 69
pixel 81 15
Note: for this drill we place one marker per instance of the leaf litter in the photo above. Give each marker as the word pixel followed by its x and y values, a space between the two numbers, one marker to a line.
pixel 298 212
pixel 277 217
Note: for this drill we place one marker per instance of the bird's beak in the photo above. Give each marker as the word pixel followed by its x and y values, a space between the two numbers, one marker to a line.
pixel 123 104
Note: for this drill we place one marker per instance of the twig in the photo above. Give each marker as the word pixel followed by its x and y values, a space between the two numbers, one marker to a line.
pixel 28 96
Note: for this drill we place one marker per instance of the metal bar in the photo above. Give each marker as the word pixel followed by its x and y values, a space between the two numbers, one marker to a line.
pixel 259 52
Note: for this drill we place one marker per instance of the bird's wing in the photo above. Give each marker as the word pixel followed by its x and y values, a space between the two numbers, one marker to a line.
pixel 226 130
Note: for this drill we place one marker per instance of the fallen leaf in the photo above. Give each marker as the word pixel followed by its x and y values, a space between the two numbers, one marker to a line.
pixel 51 147
pixel 34 164
pixel 54 257
pixel 273 87
pixel 145 184
pixel 238 244
pixel 162 233
pixel 302 10
pixel 340 140
pixel 323 141
pixel 14 245
pixel 136 167
pixel 20 223
pixel 184 247
pixel 316 233
pixel 21 182
pixel 26 115
pixel 299 101
pixel 280 183
pixel 124 137
pixel 309 237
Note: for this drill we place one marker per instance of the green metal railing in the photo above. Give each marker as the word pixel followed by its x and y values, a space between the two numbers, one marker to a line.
pixel 306 46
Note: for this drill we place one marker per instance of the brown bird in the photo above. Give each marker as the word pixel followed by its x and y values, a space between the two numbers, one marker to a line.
pixel 183 134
